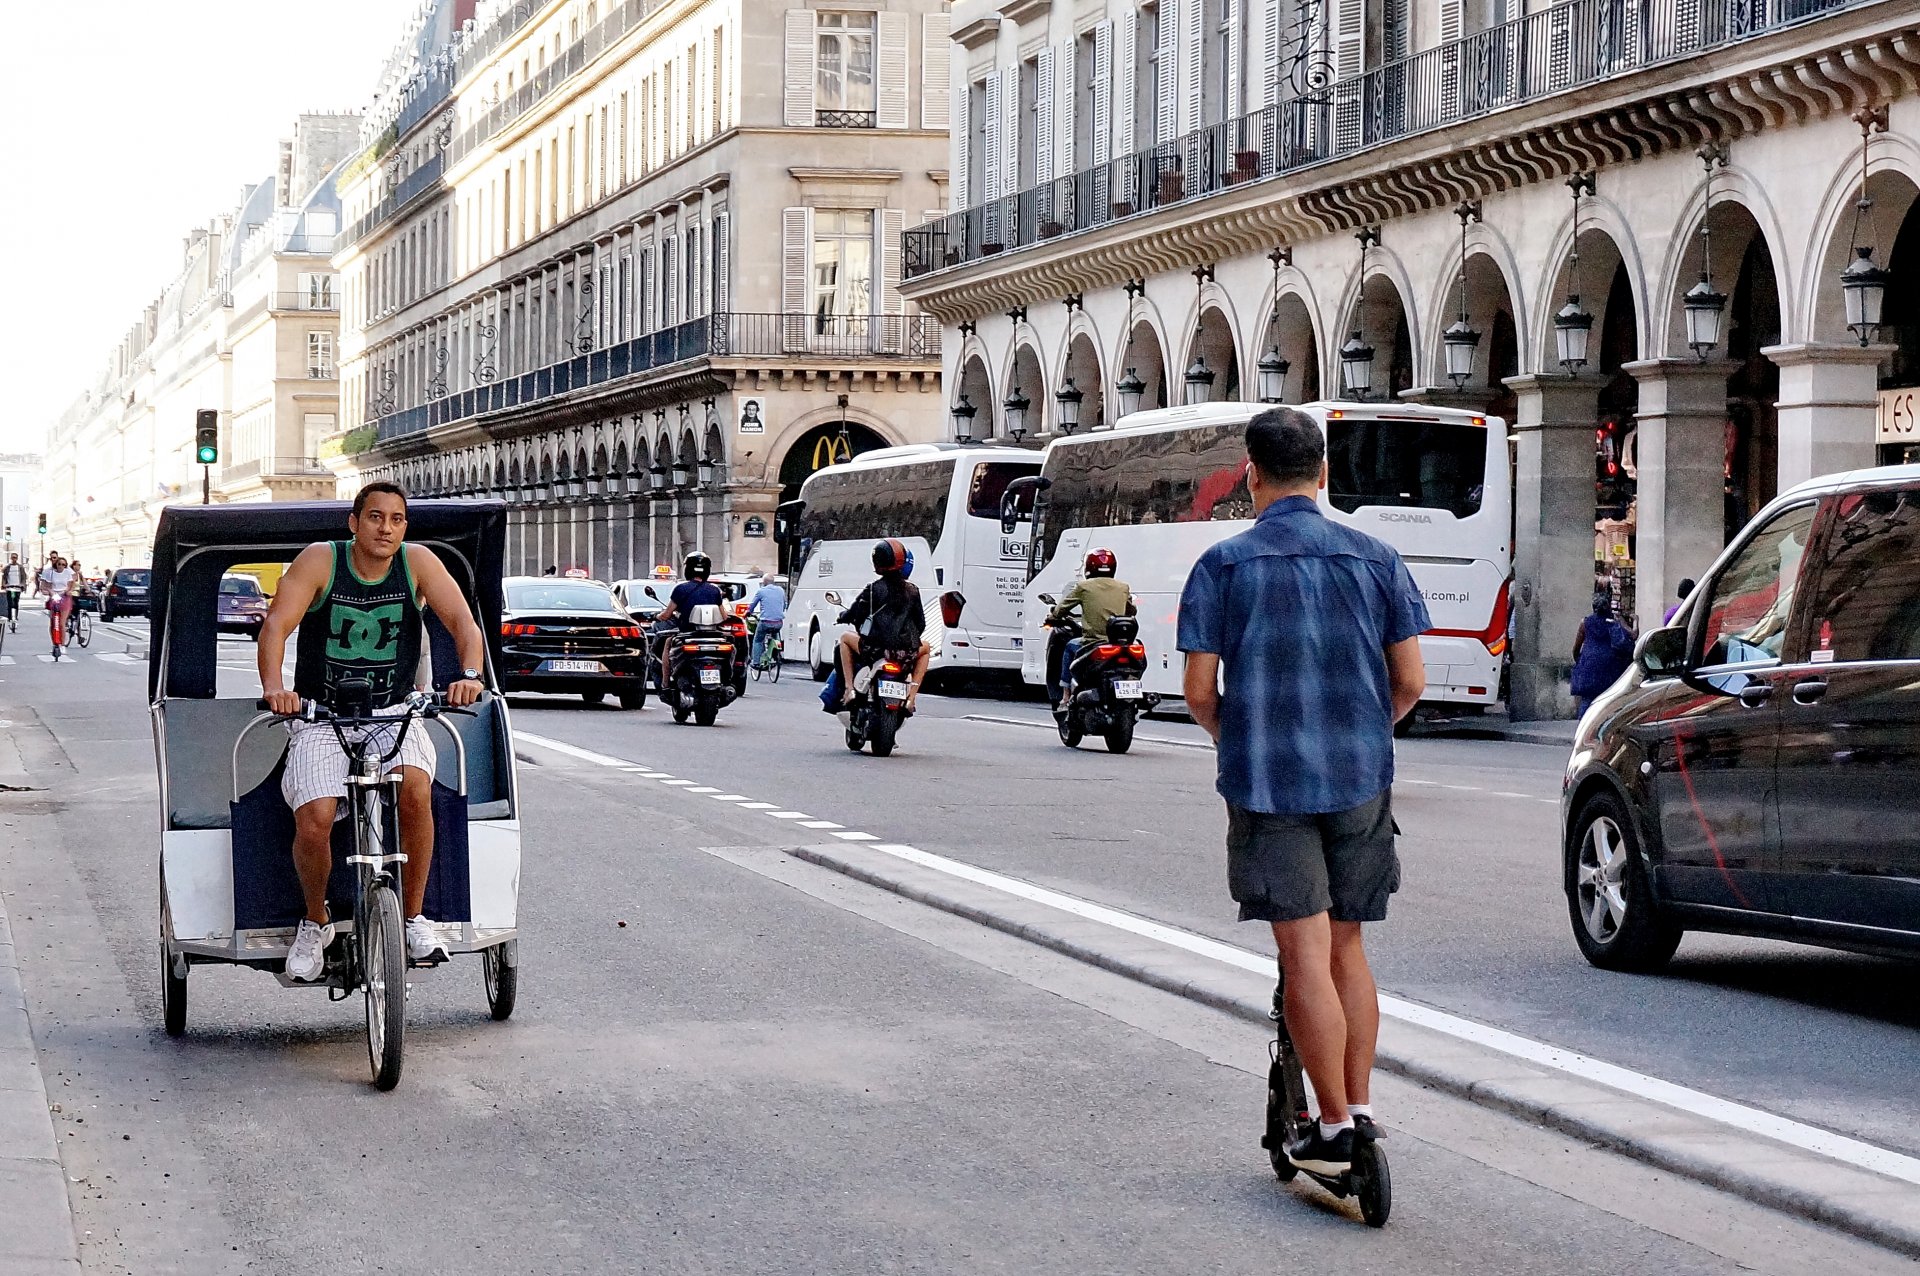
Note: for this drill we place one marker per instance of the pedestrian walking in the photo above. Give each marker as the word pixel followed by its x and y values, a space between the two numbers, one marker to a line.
pixel 1680 597
pixel 1602 650
pixel 1302 652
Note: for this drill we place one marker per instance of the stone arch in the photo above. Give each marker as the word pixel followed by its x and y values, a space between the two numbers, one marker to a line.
pixel 622 460
pixel 1023 336
pixel 1377 313
pixel 662 450
pixel 976 386
pixel 513 474
pixel 1607 247
pixel 1893 183
pixel 714 445
pixel 799 444
pixel 1216 340
pixel 1081 368
pixel 1142 353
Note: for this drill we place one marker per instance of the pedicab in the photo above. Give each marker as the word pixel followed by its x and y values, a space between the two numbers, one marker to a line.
pixel 229 894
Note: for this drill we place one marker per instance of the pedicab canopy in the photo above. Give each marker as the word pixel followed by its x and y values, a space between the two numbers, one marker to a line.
pixel 195 544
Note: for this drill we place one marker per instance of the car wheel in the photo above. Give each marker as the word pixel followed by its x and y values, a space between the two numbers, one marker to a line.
pixel 636 699
pixel 1616 920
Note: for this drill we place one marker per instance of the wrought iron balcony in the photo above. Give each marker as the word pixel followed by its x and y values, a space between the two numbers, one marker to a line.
pixel 798 337
pixel 846 119
pixel 318 301
pixel 1557 49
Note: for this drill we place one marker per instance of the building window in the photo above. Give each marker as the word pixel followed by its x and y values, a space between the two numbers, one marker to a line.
pixel 320 356
pixel 317 292
pixel 842 268
pixel 843 86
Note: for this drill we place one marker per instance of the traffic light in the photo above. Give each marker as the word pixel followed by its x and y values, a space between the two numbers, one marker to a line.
pixel 206 435
pixel 43 524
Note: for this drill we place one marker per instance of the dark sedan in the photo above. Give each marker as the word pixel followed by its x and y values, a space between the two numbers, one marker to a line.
pixel 571 637
pixel 1754 772
pixel 126 593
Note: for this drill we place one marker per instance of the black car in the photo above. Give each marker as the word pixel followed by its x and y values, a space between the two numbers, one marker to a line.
pixel 1755 771
pixel 126 593
pixel 570 636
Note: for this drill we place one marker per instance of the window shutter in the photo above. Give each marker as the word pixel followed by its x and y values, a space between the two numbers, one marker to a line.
pixel 891 87
pixel 1166 80
pixel 1103 81
pixel 1193 41
pixel 649 274
pixel 1124 96
pixel 1043 103
pixel 1349 61
pixel 1451 21
pixel 1063 156
pixel 936 75
pixel 990 183
pixel 893 225
pixel 802 49
pixel 960 149
pixel 796 246
pixel 1010 143
pixel 669 285
pixel 722 285
pixel 1263 76
pixel 1233 67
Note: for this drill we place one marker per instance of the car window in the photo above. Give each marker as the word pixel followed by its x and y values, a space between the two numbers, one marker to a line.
pixel 129 576
pixel 1752 599
pixel 556 595
pixel 1866 593
pixel 246 586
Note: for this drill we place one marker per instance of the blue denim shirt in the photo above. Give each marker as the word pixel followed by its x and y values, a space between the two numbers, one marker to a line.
pixel 1300 609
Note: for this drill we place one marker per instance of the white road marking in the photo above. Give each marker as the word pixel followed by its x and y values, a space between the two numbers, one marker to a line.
pixel 679 783
pixel 7 660
pixel 703 790
pixel 789 815
pixel 1697 1102
pixel 756 806
pixel 724 797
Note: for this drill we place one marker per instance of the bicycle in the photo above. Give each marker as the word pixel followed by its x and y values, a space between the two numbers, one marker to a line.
pixel 79 624
pixel 771 655
pixel 1287 1120
pixel 374 956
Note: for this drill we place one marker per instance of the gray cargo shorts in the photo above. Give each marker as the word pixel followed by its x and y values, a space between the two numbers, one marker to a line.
pixel 1281 868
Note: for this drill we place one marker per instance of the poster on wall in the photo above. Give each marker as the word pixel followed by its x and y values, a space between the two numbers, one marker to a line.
pixel 752 416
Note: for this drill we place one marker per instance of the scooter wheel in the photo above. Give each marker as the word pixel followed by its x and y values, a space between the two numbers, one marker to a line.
pixel 1280 1129
pixel 1070 731
pixel 1372 1183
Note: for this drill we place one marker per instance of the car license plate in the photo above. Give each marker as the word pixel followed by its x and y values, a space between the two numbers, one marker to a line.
pixel 709 677
pixel 575 666
pixel 1126 688
pixel 891 690
pixel 136 591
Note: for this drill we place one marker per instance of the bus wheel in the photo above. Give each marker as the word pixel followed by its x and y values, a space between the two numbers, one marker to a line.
pixel 821 669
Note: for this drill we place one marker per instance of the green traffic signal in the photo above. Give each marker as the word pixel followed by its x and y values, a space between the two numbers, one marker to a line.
pixel 208 454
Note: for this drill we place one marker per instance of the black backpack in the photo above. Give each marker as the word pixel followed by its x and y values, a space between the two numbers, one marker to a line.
pixel 889 625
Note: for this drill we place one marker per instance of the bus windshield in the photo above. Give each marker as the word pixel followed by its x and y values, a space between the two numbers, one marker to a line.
pixel 1438 465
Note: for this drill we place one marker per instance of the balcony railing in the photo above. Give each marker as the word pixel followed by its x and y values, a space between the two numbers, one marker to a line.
pixel 711 336
pixel 1567 46
pixel 275 467
pixel 846 119
pixel 321 301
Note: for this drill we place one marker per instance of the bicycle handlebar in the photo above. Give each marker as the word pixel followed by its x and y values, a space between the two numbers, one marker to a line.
pixel 419 704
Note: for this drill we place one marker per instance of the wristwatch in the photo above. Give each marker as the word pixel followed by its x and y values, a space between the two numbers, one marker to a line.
pixel 471 675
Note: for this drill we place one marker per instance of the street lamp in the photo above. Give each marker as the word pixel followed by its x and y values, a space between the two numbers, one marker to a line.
pixel 636 478
pixel 1016 406
pixel 1199 379
pixel 1068 398
pixel 709 467
pixel 963 414
pixel 1130 389
pixel 657 477
pixel 1572 326
pixel 1703 304
pixel 682 473
pixel 1271 373
pixel 1462 339
pixel 1864 287
pixel 1356 367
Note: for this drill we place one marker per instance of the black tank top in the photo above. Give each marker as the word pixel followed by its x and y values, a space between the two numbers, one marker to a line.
pixel 362 629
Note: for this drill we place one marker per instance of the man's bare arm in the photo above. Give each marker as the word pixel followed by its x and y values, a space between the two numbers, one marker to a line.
pixel 299 586
pixel 1201 687
pixel 1406 676
pixel 444 599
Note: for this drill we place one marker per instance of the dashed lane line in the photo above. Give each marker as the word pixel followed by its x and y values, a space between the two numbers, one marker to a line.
pixel 1540 1053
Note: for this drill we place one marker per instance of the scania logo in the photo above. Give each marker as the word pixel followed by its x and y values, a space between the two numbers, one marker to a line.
pixel 1406 518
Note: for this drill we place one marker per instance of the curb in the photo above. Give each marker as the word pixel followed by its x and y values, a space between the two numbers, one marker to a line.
pixel 39 1232
pixel 1777 1175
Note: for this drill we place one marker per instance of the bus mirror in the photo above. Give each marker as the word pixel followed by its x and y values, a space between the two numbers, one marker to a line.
pixel 1047 599
pixel 1016 503
pixel 785 518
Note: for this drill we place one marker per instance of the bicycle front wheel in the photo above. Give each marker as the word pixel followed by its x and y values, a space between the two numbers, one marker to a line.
pixel 383 965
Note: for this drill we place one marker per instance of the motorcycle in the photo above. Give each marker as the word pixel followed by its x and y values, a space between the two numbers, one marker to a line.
pixel 879 703
pixel 693 671
pixel 1102 692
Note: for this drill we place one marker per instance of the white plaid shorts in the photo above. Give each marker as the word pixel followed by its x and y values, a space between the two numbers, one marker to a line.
pixel 316 767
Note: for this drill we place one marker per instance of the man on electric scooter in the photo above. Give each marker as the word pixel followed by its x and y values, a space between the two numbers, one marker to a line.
pixel 1302 652
pixel 357 604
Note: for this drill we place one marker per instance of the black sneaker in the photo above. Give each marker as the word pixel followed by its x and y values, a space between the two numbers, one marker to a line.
pixel 1364 1127
pixel 1323 1155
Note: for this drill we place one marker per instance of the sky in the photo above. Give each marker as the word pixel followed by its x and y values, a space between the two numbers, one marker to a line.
pixel 127 123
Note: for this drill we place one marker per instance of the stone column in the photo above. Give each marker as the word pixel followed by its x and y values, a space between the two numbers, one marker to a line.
pixel 1829 399
pixel 1682 484
pixel 1553 538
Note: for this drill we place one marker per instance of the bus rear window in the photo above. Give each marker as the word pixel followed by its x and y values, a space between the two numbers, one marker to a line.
pixel 990 479
pixel 1424 464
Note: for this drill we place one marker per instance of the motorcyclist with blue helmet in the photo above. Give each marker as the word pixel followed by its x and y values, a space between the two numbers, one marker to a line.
pixel 887 617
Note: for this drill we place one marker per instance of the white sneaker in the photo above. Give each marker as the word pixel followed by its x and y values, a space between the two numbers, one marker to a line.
pixel 423 939
pixel 308 956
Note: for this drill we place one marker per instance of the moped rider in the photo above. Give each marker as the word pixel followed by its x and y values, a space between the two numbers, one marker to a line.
pixel 357 604
pixel 886 617
pixel 1100 596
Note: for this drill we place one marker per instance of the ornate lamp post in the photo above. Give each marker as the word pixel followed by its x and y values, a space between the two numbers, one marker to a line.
pixel 1130 389
pixel 1572 325
pixel 963 414
pixel 1863 285
pixel 1067 399
pixel 1015 407
pixel 1703 305
pixel 1461 339
pixel 1199 381
pixel 1271 372
pixel 1356 367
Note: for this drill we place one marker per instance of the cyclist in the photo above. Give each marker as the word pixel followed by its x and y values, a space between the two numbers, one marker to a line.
pixel 887 617
pixel 357 604
pixel 1100 597
pixel 56 582
pixel 768 610
pixel 13 580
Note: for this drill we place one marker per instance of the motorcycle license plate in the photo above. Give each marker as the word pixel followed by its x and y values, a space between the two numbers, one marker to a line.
pixel 1126 688
pixel 893 690
pixel 709 677
pixel 575 666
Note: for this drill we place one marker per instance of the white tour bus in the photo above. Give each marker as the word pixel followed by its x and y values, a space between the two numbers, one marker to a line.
pixel 943 501
pixel 1161 486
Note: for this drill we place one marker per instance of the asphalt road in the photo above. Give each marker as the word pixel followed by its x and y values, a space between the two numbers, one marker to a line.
pixel 769 1068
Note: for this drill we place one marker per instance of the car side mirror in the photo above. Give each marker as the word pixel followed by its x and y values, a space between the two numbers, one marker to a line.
pixel 1663 653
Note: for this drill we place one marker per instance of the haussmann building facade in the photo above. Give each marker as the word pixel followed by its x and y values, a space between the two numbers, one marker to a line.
pixel 634 268
pixel 1673 243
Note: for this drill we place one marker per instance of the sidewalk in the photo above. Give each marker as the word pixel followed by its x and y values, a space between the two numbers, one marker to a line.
pixel 37 1239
